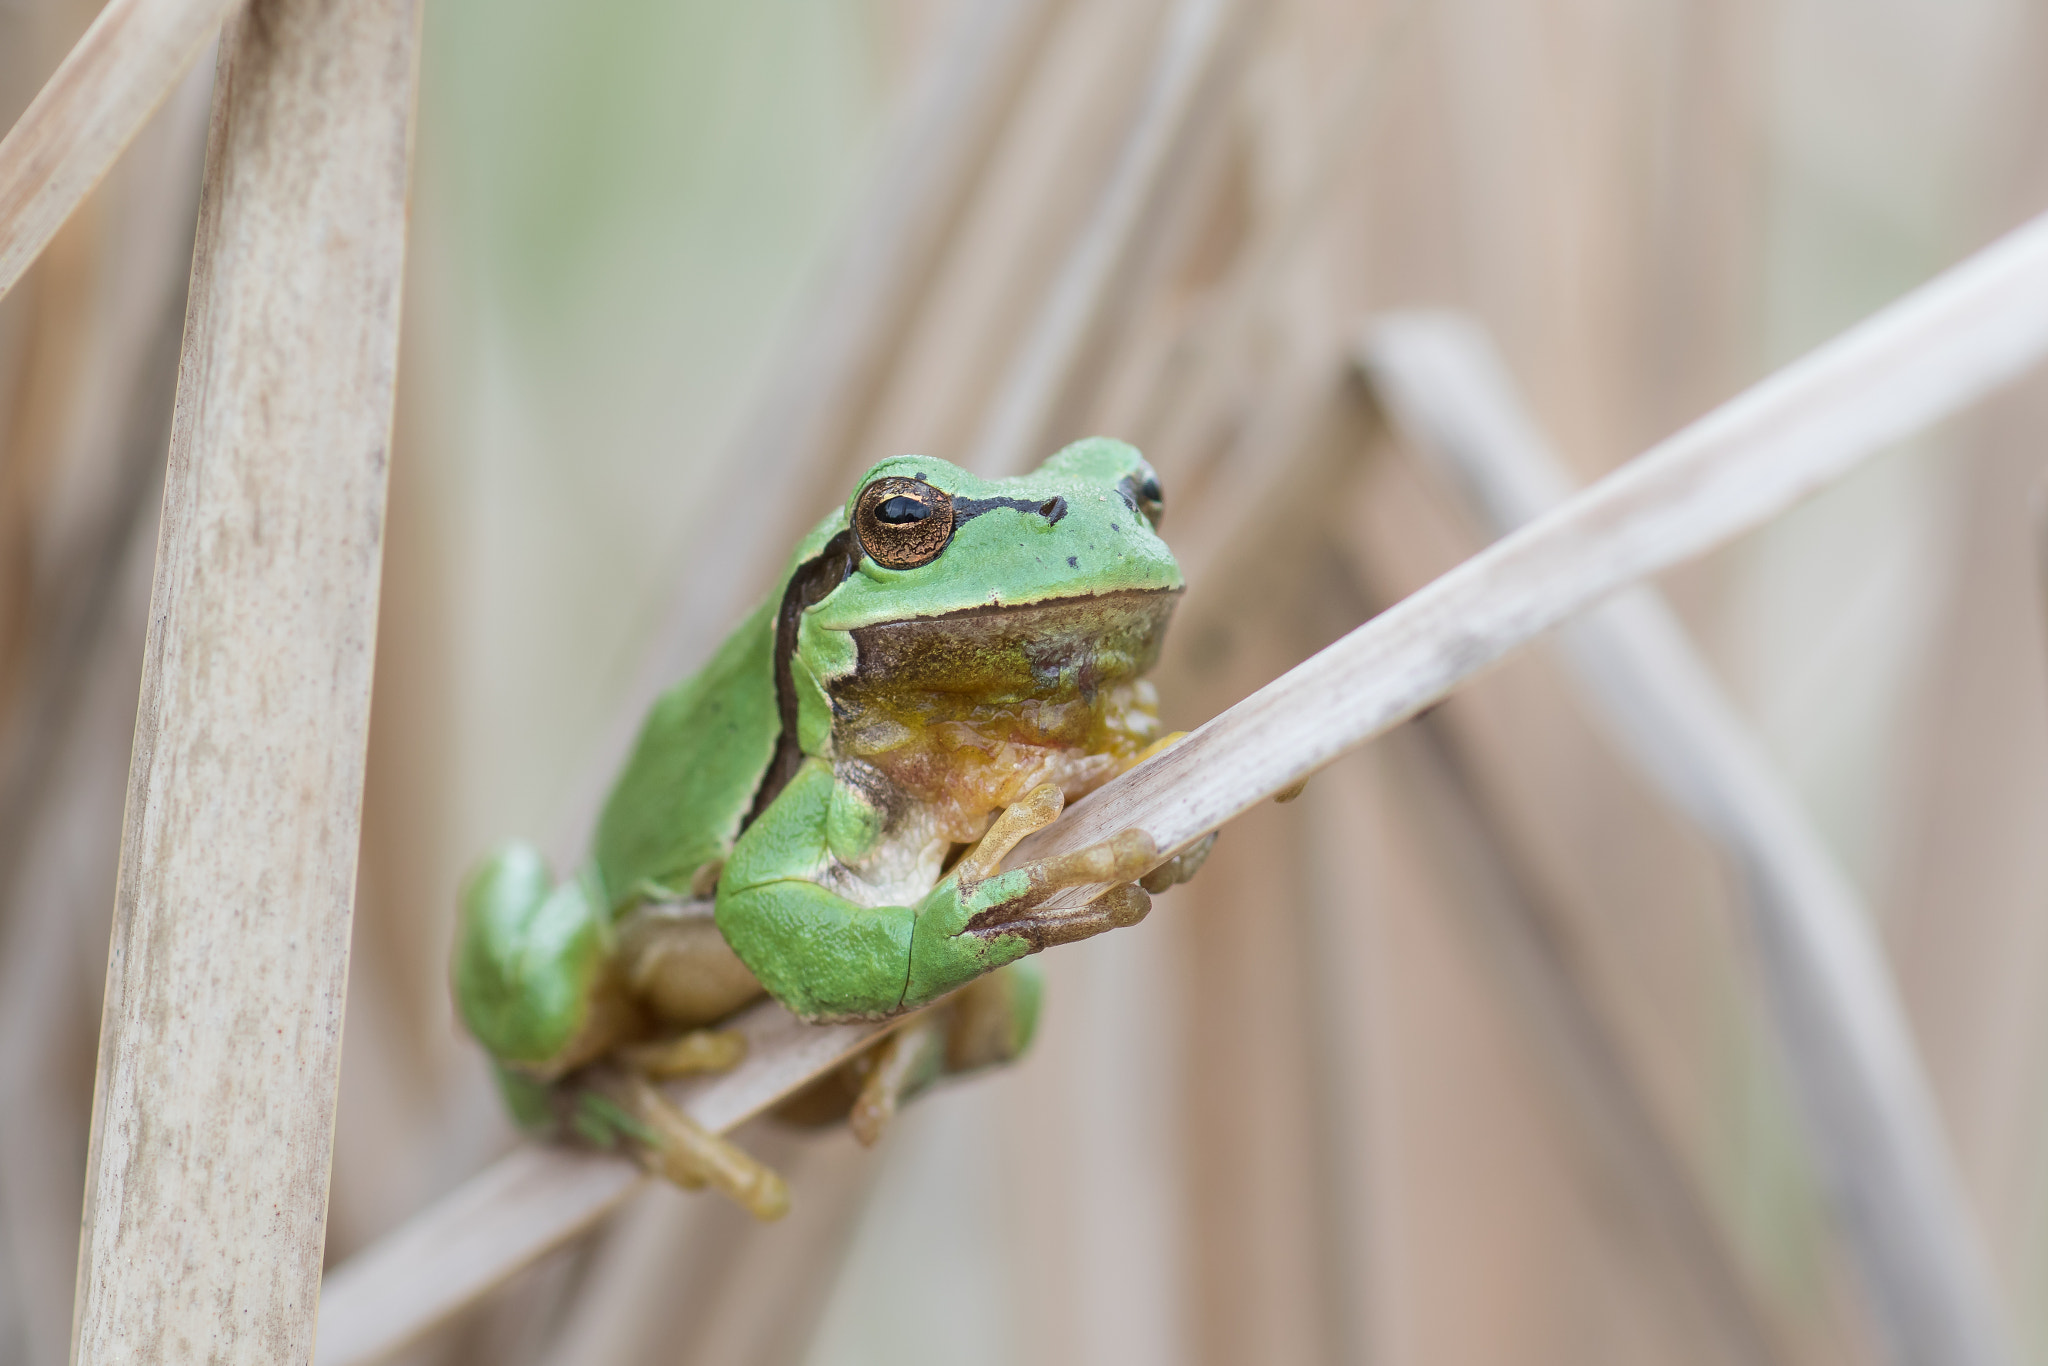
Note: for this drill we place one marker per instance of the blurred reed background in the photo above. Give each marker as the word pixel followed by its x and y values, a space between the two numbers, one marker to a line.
pixel 1456 1059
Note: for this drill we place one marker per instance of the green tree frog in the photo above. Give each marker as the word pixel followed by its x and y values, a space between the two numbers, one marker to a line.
pixel 822 812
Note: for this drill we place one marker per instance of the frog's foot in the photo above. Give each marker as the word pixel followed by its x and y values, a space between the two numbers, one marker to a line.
pixel 905 1062
pixel 673 1145
pixel 1116 860
pixel 534 978
pixel 687 1054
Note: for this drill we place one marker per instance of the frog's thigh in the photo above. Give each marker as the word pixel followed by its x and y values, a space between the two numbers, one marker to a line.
pixel 681 969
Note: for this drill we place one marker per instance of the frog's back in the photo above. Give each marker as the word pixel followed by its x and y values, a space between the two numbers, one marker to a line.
pixel 695 768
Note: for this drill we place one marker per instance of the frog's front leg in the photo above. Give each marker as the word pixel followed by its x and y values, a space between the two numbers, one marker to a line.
pixel 826 957
pixel 1120 857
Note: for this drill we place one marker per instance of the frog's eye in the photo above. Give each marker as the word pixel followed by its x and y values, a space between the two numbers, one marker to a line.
pixel 903 523
pixel 1144 496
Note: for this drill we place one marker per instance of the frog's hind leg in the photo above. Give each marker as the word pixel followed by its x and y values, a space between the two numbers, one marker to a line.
pixel 987 1023
pixel 680 971
pixel 898 1067
pixel 621 1104
pixel 680 967
pixel 534 976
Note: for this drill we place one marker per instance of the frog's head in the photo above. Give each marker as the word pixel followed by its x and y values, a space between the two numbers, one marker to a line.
pixel 1022 609
pixel 933 540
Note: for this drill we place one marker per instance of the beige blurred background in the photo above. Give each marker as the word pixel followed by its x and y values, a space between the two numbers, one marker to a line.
pixel 1456 1059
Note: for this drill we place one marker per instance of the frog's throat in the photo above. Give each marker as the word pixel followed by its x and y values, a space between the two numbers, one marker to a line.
pixel 810 585
pixel 966 710
pixel 1004 655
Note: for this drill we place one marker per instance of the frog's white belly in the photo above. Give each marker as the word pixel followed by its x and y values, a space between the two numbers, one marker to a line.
pixel 902 867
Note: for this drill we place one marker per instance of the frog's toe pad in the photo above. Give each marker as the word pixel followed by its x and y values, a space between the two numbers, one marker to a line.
pixel 1122 905
pixel 1181 867
pixel 1120 858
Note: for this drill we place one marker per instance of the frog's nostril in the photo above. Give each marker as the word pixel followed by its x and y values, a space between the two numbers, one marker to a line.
pixel 1052 509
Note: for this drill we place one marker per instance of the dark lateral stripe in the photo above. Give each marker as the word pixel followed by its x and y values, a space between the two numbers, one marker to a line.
pixel 813 580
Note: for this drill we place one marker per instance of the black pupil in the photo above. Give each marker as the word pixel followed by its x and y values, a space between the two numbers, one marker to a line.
pixel 1150 491
pixel 899 510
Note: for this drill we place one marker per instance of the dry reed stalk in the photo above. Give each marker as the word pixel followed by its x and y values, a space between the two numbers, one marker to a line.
pixel 127 63
pixel 1967 879
pixel 213 1114
pixel 1846 1041
pixel 64 762
pixel 1929 354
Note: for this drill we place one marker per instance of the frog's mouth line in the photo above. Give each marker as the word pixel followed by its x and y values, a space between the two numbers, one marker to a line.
pixel 1078 603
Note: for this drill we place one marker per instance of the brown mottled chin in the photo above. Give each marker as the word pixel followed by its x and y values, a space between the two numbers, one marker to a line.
pixel 968 711
pixel 1063 648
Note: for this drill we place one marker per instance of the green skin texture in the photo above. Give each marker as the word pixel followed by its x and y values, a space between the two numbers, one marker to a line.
pixel 530 951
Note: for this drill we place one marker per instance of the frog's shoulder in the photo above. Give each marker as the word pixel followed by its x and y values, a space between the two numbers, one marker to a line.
pixel 699 760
